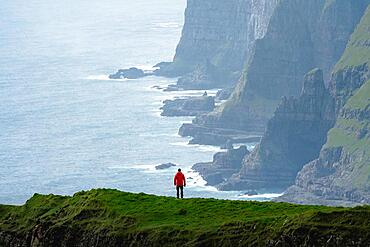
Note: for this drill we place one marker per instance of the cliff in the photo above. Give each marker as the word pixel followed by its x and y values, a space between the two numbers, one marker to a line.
pixel 342 171
pixel 301 35
pixel 293 137
pixel 217 39
pixel 114 218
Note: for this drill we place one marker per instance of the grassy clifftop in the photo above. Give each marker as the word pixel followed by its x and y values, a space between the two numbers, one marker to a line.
pixel 108 217
pixel 358 48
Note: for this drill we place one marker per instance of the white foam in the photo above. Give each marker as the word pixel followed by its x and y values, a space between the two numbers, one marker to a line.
pixel 156 113
pixel 145 67
pixel 261 196
pixel 98 77
pixel 167 25
pixel 181 144
pixel 154 135
pixel 103 78
pixel 250 146
pixel 204 148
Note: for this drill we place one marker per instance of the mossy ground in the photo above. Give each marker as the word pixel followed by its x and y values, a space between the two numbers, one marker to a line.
pixel 118 213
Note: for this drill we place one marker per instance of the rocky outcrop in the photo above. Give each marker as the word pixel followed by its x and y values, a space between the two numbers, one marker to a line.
pixel 294 136
pixel 217 39
pixel 191 106
pixel 165 166
pixel 301 35
pixel 224 94
pixel 217 137
pixel 224 164
pixel 131 73
pixel 341 174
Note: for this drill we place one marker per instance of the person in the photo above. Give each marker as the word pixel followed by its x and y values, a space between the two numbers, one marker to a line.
pixel 180 182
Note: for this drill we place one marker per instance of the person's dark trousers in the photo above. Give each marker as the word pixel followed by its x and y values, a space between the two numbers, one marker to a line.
pixel 178 188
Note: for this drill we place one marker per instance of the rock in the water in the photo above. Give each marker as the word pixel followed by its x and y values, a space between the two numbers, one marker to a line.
pixel 224 164
pixel 165 166
pixel 217 137
pixel 250 193
pixel 224 94
pixel 131 73
pixel 191 106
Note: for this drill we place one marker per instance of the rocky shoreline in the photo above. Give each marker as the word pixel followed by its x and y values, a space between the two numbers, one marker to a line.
pixel 188 106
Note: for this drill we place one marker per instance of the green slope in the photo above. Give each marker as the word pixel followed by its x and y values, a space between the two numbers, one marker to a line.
pixel 352 129
pixel 358 49
pixel 168 221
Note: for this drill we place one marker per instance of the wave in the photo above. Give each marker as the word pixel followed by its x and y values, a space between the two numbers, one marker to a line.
pixel 145 67
pixel 167 25
pixel 155 135
pixel 103 78
pixel 204 148
pixel 98 77
pixel 260 196
pixel 156 113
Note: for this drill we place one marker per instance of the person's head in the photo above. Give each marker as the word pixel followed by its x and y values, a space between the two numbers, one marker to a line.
pixel 179 170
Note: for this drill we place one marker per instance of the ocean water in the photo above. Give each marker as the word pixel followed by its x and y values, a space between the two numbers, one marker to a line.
pixel 64 126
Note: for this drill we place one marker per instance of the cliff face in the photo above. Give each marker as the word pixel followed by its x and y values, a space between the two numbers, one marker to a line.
pixel 219 33
pixel 301 35
pixel 342 171
pixel 224 165
pixel 293 137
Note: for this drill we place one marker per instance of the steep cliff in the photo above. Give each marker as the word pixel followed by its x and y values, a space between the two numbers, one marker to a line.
pixel 342 171
pixel 293 137
pixel 217 40
pixel 113 218
pixel 301 35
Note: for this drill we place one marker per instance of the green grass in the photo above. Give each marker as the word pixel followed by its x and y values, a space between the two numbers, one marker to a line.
pixel 115 213
pixel 361 99
pixel 358 48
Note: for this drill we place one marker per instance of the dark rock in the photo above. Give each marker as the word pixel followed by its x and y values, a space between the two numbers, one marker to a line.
pixel 294 136
pixel 131 73
pixel 224 94
pixel 191 106
pixel 250 193
pixel 361 133
pixel 172 88
pixel 224 164
pixel 165 166
pixel 217 137
pixel 158 87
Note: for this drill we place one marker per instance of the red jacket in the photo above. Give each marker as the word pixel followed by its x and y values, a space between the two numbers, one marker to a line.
pixel 179 179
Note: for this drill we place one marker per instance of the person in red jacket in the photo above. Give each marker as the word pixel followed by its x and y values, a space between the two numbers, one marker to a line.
pixel 180 183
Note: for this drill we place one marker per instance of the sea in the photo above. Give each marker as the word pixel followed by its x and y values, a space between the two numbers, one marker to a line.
pixel 65 127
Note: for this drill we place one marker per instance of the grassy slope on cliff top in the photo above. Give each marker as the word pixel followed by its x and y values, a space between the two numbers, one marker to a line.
pixel 346 131
pixel 118 214
pixel 357 51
